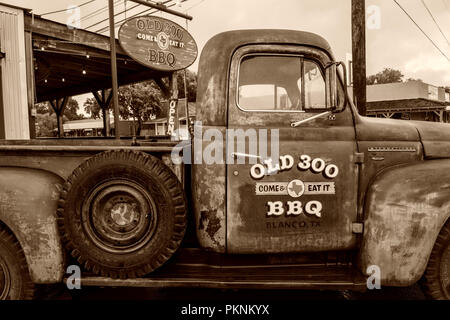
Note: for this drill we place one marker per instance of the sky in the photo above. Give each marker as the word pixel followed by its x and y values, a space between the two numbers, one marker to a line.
pixel 392 40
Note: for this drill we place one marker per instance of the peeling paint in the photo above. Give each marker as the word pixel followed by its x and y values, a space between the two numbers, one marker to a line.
pixel 28 202
pixel 405 211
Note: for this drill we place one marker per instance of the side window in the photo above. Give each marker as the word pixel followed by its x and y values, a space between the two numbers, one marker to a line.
pixel 280 83
pixel 314 86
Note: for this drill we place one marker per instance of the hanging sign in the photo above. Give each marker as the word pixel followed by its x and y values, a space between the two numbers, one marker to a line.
pixel 158 43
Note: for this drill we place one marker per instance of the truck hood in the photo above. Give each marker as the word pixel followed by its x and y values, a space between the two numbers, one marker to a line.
pixel 435 138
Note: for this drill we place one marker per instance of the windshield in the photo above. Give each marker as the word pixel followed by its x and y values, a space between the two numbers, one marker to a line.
pixel 277 82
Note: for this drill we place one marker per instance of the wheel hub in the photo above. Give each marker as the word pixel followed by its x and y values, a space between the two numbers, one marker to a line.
pixel 119 216
pixel 124 213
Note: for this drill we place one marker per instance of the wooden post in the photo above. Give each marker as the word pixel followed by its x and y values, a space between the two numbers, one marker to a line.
pixel 30 83
pixel 115 85
pixel 104 103
pixel 359 54
pixel 58 106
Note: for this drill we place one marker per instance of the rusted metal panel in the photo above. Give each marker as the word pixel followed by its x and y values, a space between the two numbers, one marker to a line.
pixel 209 194
pixel 406 208
pixel 435 139
pixel 28 202
pixel 62 161
pixel 252 227
pixel 374 129
pixel 380 155
pixel 14 76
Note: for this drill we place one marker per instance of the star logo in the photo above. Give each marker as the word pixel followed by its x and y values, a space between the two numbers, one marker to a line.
pixel 296 188
pixel 163 41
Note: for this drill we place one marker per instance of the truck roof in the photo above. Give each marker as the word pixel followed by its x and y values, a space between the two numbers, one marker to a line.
pixel 230 40
pixel 216 56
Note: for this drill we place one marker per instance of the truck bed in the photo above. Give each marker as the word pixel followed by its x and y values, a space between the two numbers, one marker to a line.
pixel 62 156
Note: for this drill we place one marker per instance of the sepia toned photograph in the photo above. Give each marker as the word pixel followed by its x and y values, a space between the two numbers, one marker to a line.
pixel 220 158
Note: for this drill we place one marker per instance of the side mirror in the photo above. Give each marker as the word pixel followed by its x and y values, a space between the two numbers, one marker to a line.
pixel 332 83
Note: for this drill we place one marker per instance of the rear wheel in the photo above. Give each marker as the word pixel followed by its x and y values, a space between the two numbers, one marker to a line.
pixel 436 280
pixel 122 214
pixel 15 281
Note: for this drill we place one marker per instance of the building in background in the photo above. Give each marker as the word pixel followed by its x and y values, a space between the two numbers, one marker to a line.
pixel 410 100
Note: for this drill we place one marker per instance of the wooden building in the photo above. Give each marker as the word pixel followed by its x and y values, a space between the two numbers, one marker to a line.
pixel 411 100
pixel 43 60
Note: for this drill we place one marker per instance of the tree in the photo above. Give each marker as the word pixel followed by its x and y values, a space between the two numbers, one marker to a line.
pixel 43 108
pixel 136 101
pixel 140 101
pixel 45 125
pixel 46 118
pixel 92 107
pixel 412 79
pixel 388 75
pixel 71 110
pixel 191 84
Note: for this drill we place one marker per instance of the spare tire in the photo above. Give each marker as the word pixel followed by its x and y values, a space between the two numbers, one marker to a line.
pixel 122 214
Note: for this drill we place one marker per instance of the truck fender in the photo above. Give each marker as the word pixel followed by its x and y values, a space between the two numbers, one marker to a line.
pixel 28 203
pixel 406 207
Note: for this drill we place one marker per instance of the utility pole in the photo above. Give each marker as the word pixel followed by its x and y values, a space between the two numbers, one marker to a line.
pixel 359 54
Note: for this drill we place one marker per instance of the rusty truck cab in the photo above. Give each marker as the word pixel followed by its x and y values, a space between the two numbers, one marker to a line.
pixel 257 84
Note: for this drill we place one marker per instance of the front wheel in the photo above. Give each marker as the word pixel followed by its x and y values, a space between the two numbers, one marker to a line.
pixel 436 280
pixel 15 281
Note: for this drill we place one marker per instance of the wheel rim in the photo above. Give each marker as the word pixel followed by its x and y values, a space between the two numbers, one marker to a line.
pixel 445 271
pixel 119 216
pixel 5 280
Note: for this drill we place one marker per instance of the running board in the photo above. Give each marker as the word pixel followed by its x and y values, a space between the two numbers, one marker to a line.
pixel 273 277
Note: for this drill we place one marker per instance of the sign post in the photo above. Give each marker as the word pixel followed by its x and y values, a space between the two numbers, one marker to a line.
pixel 115 86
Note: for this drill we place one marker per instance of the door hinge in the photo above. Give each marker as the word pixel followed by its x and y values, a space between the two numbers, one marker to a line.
pixel 359 157
pixel 357 227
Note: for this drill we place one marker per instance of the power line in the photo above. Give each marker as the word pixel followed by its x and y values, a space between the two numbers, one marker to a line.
pixel 435 22
pixel 98 11
pixel 193 6
pixel 135 15
pixel 63 10
pixel 117 14
pixel 426 35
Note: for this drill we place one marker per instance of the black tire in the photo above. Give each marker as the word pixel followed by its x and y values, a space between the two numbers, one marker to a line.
pixel 15 280
pixel 436 280
pixel 122 214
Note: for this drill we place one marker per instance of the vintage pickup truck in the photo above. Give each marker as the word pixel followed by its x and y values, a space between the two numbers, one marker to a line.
pixel 338 195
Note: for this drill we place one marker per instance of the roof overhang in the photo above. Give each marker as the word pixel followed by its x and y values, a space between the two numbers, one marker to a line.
pixel 62 53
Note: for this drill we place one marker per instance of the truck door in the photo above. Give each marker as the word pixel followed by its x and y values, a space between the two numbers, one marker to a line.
pixel 301 196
